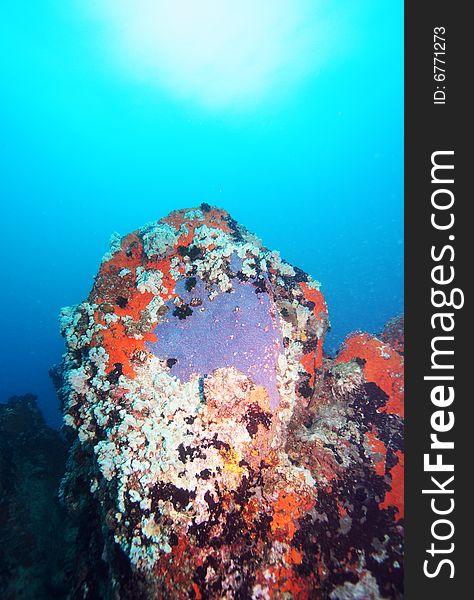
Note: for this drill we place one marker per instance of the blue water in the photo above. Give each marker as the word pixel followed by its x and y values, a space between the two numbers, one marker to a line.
pixel 315 168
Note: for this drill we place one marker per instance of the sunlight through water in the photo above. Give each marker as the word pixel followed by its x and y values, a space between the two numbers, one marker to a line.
pixel 219 53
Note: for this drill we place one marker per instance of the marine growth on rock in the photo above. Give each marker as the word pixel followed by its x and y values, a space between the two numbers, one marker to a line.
pixel 221 452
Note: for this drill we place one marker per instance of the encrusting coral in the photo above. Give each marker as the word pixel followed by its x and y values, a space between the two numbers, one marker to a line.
pixel 224 455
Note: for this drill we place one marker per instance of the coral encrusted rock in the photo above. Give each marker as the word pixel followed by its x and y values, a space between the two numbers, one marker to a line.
pixel 222 453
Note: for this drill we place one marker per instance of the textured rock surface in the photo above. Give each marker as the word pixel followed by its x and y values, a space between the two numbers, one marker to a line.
pixel 35 541
pixel 221 453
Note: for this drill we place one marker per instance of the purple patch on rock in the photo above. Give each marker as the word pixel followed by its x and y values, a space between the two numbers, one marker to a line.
pixel 237 329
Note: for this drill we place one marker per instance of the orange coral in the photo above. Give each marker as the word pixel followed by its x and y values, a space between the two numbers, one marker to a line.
pixel 288 507
pixel 379 447
pixel 212 218
pixel 313 360
pixel 129 257
pixel 315 296
pixel 121 347
pixel 383 366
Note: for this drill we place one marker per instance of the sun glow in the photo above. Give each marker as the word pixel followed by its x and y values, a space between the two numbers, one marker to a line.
pixel 217 52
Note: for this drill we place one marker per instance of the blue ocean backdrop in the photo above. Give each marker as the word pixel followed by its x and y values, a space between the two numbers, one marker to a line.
pixel 288 114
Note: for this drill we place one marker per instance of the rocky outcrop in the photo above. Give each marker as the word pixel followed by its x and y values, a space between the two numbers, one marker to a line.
pixel 216 451
pixel 36 544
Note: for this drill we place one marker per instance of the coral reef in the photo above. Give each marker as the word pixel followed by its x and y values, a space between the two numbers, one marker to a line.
pixel 217 452
pixel 36 542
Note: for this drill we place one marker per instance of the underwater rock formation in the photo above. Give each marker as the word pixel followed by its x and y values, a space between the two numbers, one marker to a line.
pixel 220 453
pixel 34 536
